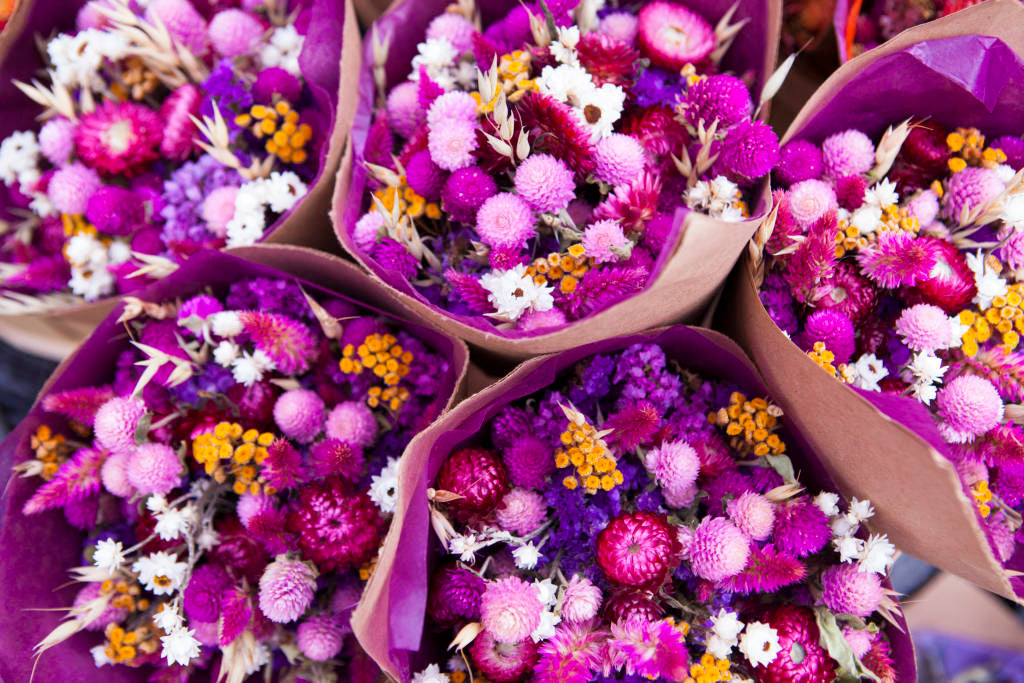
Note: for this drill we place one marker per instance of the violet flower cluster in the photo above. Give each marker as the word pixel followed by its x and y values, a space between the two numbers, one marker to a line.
pixel 900 268
pixel 649 529
pixel 528 174
pixel 167 131
pixel 234 480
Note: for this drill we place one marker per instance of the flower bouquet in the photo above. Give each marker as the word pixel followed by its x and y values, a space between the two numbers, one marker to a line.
pixel 629 510
pixel 215 468
pixel 895 265
pixel 534 176
pixel 167 129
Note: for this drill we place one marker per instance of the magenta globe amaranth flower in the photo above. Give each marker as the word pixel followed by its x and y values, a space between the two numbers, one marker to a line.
pixel 720 98
pixel 299 413
pixel 424 176
pixel 286 589
pixel 834 329
pixel 847 590
pixel 969 406
pixel 718 549
pixel 320 637
pixel 465 191
pixel 799 160
pixel 849 152
pixel 619 158
pixel 455 593
pixel 637 549
pixel 749 151
pixel 510 609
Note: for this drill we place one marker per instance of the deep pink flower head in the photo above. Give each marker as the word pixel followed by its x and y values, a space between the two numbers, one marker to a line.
pixel 115 210
pixel 201 597
pixel 898 259
pixel 572 655
pixel 352 422
pixel 528 460
pixel 424 176
pixel 719 549
pixel 234 32
pixel 949 283
pixel 338 528
pixel 721 98
pixel 320 637
pixel 70 188
pixel 637 549
pixel 454 28
pixel 183 22
pixel 970 189
pixel 331 456
pixel 57 140
pixel 274 82
pixel 924 328
pixel 849 152
pixel 478 476
pixel 299 414
pixel 502 662
pixel 455 594
pixel 753 514
pixel 286 589
pixel 119 138
pixel 114 475
pixel 630 603
pixel 521 511
pixel 540 320
pixel 672 35
pixel 802 657
pixel 809 200
pixel 251 507
pixel 604 241
pixel 969 407
pixel 620 158
pixel 581 601
pixel 450 108
pixel 850 191
pixel 654 649
pixel 110 615
pixel 505 220
pixel 675 465
pixel 116 422
pixel 847 590
pixel 465 191
pixel 154 468
pixel 452 145
pixel 801 528
pixel 749 151
pixel 510 609
pixel 403 108
pixel 545 183
pixel 179 130
pixel 799 160
pixel 834 329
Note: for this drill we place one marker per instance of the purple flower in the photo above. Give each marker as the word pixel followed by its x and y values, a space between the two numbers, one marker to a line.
pixel 183 195
pixel 801 528
pixel 656 86
pixel 228 92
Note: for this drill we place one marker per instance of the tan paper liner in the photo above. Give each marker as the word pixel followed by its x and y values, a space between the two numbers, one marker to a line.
pixel 705 251
pixel 918 498
pixel 54 333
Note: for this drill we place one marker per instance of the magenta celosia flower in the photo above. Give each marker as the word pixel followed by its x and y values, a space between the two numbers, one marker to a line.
pixel 179 130
pixel 605 242
pixel 81 404
pixel 634 425
pixel 337 528
pixel 334 457
pixel 352 422
pixel 70 188
pixel 749 150
pixel 510 609
pixel 282 469
pixel 75 483
pixel 809 200
pixel 814 261
pixel 202 596
pixel 450 108
pixel 801 528
pixel 834 329
pixel 924 328
pixel 320 637
pixel 299 413
pixel 969 190
pixel 651 649
pixel 720 98
pixel 528 460
pixel 565 137
pixel 521 511
pixel 767 571
pixel 424 176
pixel 403 108
pixel 849 152
pixel 290 344
pixel 897 259
pixel 154 468
pixel 847 590
pixel 753 514
pixel 718 549
pixel 969 406
pixel 572 655
pixel 545 183
pixel 505 220
pixel 454 28
pixel 57 140
pixel 465 191
pixel 602 287
pixel 637 549
pixel 286 589
pixel 452 145
pixel 799 160
pixel 675 466
pixel 119 138
pixel 619 158
pixel 183 22
pixel 234 32
pixel 236 614
pixel 581 600
pixel 499 661
pixel 470 291
pixel 114 475
pixel 689 40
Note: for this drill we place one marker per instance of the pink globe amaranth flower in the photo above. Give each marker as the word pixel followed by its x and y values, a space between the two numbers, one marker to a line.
pixel 70 188
pixel 320 637
pixel 450 108
pixel 675 466
pixel 924 207
pixel 154 468
pixel 545 183
pixel 454 28
pixel 834 329
pixel 367 229
pixel 452 145
pixel 352 422
pixel 849 152
pixel 218 209
pixel 234 32
pixel 299 413
pixel 110 614
pixel 847 590
pixel 286 589
pixel 753 514
pixel 533 321
pixel 57 140
pixel 1012 251
pixel 180 131
pixel 114 475
pixel 621 26
pixel 505 220
pixel 527 458
pixel 672 35
pixel 720 98
pixel 924 328
pixel 116 422
pixel 424 176
pixel 859 640
pixel 502 662
pixel 799 160
pixel 202 596
pixel 510 609
pixel 719 549
pixel 637 549
pixel 619 158
pixel 119 138
pixel 403 108
pixel 970 189
pixel 183 22
pixel 581 600
pixel 521 511
pixel 465 192
pixel 601 241
pixel 809 200
pixel 969 406
pixel 478 476
pixel 337 528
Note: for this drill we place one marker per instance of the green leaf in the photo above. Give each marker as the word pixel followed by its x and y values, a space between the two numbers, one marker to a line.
pixel 784 466
pixel 850 668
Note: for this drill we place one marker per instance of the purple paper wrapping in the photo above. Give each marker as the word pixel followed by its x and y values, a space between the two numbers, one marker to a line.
pixel 39 550
pixel 701 248
pixel 882 447
pixel 400 583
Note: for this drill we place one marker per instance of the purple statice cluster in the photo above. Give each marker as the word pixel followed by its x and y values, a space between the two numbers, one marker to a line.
pixel 905 277
pixel 659 532
pixel 139 163
pixel 234 480
pixel 528 174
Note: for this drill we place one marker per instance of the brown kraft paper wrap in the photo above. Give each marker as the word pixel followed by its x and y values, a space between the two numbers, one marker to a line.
pixel 872 447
